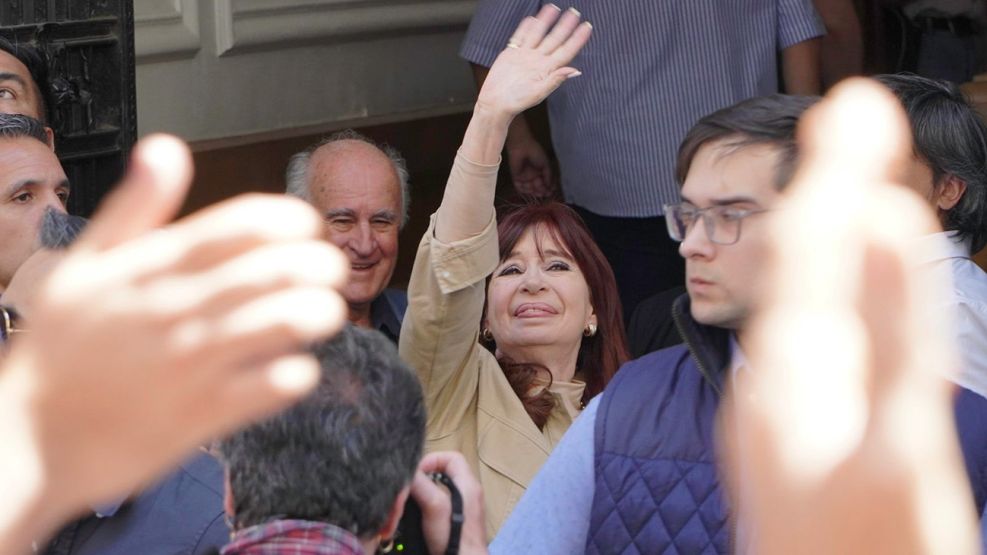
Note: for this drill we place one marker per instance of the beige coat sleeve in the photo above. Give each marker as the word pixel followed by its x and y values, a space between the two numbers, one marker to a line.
pixel 445 304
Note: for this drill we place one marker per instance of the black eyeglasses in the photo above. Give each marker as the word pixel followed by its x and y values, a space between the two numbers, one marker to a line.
pixel 721 223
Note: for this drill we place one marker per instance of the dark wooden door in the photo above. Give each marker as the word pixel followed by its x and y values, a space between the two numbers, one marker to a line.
pixel 90 49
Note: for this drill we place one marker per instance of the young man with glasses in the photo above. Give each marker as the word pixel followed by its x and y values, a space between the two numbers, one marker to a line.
pixel 638 471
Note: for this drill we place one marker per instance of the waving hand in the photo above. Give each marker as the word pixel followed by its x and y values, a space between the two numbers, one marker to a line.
pixel 535 61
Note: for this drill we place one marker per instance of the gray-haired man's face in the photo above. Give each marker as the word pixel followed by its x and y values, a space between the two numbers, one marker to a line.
pixel 356 189
pixel 31 182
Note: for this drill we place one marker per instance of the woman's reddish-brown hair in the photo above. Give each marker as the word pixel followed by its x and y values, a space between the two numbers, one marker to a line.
pixel 600 356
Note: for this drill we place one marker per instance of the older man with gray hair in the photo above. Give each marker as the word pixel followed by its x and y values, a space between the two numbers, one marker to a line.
pixel 361 189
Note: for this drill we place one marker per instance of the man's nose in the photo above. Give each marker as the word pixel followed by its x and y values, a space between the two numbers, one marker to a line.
pixel 362 240
pixel 54 202
pixel 696 241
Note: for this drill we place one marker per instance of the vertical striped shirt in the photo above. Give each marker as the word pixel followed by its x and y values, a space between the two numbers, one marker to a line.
pixel 652 68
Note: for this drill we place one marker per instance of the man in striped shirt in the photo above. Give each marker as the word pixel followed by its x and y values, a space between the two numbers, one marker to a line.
pixel 653 68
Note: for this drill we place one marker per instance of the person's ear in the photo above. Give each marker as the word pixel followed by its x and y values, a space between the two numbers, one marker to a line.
pixel 949 193
pixel 51 137
pixel 394 515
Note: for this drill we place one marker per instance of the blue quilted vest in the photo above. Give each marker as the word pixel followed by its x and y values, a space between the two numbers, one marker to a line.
pixel 662 497
pixel 656 487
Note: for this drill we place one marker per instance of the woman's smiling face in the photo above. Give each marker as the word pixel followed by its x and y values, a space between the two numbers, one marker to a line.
pixel 538 296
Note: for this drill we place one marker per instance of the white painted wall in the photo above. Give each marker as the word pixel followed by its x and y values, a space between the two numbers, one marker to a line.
pixel 232 71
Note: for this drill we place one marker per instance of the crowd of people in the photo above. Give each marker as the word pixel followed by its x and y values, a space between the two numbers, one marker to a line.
pixel 807 327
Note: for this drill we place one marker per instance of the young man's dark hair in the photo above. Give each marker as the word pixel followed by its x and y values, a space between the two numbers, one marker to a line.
pixel 344 454
pixel 34 61
pixel 950 137
pixel 769 120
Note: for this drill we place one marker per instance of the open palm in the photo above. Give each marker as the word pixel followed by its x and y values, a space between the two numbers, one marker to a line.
pixel 535 61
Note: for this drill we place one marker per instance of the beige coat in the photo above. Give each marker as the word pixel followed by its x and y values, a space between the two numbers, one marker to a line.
pixel 471 406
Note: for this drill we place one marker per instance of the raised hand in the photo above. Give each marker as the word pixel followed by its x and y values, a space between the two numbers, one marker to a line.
pixel 535 61
pixel 842 435
pixel 146 341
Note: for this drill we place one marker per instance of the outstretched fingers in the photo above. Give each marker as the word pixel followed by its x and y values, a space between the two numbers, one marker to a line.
pixel 561 31
pixel 532 29
pixel 575 42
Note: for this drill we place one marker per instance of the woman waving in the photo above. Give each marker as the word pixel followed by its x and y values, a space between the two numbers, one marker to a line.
pixel 512 328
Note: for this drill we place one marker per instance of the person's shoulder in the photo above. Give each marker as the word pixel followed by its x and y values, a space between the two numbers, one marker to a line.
pixel 203 471
pixel 652 368
pixel 661 360
pixel 970 405
pixel 969 282
pixel 183 510
pixel 652 326
pixel 397 299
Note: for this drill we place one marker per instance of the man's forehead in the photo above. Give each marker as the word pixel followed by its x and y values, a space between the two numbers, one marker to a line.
pixel 10 64
pixel 346 156
pixel 722 172
pixel 21 157
pixel 353 175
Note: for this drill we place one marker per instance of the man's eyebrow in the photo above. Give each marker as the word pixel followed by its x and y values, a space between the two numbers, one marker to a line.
pixel 18 185
pixel 740 199
pixel 734 200
pixel 388 214
pixel 338 212
pixel 7 76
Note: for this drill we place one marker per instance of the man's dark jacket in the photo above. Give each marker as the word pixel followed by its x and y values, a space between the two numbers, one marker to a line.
pixel 180 515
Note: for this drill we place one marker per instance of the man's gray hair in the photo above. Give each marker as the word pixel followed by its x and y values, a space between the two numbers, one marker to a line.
pixel 13 126
pixel 343 454
pixel 296 176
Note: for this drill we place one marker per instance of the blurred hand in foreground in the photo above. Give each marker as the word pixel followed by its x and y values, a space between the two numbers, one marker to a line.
pixel 841 438
pixel 146 341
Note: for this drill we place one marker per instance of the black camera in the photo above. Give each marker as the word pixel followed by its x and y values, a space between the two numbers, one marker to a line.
pixel 410 539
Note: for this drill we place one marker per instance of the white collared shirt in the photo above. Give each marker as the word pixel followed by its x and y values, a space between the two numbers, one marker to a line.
pixel 946 252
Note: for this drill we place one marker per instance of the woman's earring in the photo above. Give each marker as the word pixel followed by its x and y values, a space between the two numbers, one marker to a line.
pixel 486 335
pixel 386 546
pixel 590 330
